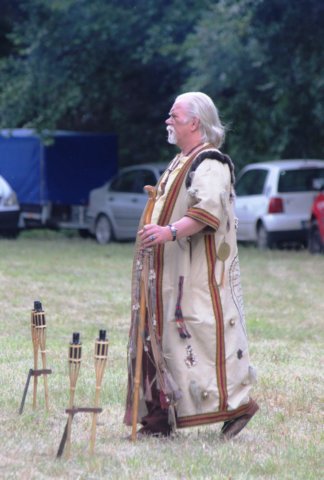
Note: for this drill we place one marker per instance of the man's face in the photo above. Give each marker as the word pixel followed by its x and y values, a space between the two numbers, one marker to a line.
pixel 177 124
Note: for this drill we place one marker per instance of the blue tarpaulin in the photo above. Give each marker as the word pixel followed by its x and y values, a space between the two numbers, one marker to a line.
pixel 61 173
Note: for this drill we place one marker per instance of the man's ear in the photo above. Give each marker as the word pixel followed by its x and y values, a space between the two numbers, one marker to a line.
pixel 195 123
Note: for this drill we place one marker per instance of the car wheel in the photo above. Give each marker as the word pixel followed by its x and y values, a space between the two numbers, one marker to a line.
pixel 103 230
pixel 315 244
pixel 263 238
pixel 10 234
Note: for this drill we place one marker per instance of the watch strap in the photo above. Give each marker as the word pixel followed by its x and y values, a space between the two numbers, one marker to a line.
pixel 173 231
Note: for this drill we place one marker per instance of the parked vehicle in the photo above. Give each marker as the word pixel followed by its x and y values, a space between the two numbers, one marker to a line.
pixel 116 207
pixel 9 210
pixel 316 228
pixel 273 201
pixel 52 182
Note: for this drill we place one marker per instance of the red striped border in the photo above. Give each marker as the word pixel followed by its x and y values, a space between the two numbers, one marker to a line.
pixel 203 216
pixel 218 312
pixel 206 418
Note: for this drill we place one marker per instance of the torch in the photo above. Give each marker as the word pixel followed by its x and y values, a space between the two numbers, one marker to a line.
pixel 39 341
pixel 100 361
pixel 38 333
pixel 35 339
pixel 75 352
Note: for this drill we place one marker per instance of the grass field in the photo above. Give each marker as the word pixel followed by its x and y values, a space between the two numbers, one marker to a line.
pixel 84 287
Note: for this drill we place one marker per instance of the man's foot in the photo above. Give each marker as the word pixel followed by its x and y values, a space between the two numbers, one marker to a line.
pixel 232 427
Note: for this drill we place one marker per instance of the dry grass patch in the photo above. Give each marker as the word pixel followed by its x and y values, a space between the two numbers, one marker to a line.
pixel 84 287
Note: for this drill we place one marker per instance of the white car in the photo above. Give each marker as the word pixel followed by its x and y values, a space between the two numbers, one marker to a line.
pixel 9 210
pixel 274 199
pixel 115 208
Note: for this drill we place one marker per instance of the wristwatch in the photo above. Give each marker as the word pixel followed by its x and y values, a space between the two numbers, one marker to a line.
pixel 173 231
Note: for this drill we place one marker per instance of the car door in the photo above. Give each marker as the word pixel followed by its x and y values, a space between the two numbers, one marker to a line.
pixel 126 200
pixel 250 202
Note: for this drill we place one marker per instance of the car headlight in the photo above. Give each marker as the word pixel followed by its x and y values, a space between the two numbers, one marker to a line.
pixel 11 200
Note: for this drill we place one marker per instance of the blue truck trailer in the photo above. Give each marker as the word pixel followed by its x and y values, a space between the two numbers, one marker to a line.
pixel 53 181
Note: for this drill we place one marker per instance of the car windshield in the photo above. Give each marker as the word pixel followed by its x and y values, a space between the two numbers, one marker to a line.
pixel 299 180
pixel 251 182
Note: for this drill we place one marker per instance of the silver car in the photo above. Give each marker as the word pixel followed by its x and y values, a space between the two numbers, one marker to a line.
pixel 274 199
pixel 115 208
pixel 9 210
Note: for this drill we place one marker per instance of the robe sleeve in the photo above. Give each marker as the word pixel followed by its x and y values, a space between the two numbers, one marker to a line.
pixel 209 193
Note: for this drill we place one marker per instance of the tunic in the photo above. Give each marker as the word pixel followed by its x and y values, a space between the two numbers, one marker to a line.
pixel 198 292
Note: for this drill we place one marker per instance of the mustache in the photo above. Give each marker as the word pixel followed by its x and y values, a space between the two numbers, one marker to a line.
pixel 170 129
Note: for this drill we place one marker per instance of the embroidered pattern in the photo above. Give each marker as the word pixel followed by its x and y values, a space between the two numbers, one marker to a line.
pixel 236 290
pixel 190 358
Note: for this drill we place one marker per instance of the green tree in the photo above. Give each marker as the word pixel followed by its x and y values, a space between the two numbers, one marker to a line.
pixel 110 65
pixel 262 63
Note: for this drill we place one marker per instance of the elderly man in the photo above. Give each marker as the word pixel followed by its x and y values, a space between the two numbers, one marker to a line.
pixel 198 308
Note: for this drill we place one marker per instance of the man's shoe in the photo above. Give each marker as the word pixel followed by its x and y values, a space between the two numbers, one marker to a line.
pixel 232 427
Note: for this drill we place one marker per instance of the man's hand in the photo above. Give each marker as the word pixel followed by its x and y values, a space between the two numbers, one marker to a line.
pixel 153 234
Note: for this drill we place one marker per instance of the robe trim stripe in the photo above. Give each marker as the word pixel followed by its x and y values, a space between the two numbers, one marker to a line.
pixel 217 307
pixel 203 216
pixel 204 419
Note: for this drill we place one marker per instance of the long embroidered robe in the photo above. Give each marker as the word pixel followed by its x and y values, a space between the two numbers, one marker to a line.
pixel 199 276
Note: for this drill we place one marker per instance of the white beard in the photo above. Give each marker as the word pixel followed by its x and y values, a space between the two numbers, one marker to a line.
pixel 172 136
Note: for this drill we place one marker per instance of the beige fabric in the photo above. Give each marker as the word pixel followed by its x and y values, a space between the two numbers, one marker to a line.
pixel 209 199
pixel 169 176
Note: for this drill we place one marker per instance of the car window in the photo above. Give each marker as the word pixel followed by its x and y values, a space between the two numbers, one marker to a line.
pixel 133 181
pixel 251 182
pixel 300 180
pixel 143 177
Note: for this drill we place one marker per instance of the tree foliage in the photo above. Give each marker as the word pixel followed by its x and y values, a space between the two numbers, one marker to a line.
pixel 100 65
pixel 263 64
pixel 116 65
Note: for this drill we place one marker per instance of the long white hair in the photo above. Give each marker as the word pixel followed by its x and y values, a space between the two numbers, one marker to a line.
pixel 201 106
